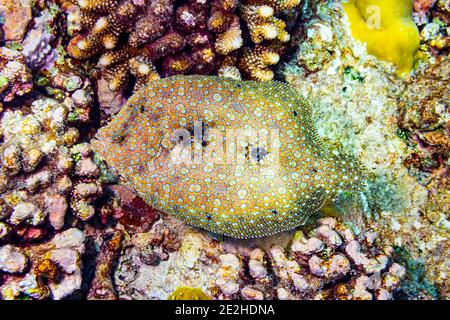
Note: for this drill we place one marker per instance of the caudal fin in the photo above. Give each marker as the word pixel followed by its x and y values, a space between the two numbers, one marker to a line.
pixel 349 173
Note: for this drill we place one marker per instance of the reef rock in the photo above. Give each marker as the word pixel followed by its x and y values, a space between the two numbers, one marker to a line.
pixel 17 16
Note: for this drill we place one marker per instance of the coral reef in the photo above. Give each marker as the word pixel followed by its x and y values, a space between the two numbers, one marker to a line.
pixel 39 152
pixel 37 47
pixel 267 32
pixel 17 15
pixel 187 38
pixel 102 287
pixel 186 293
pixel 70 228
pixel 432 17
pixel 359 105
pixel 51 269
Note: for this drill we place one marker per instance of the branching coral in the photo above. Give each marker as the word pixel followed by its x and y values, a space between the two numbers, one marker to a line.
pixel 134 37
pixel 268 32
pixel 179 37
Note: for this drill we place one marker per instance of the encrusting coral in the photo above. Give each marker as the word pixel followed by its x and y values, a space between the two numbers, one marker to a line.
pixel 37 46
pixel 50 269
pixel 432 18
pixel 330 263
pixel 387 29
pixel 385 121
pixel 329 260
pixel 187 293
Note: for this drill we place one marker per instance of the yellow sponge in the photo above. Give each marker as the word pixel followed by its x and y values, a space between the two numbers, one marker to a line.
pixel 387 29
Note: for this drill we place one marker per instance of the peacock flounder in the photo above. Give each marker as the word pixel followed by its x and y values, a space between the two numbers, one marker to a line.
pixel 237 158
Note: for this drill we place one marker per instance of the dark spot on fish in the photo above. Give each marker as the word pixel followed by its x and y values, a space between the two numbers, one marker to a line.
pixel 258 153
pixel 118 137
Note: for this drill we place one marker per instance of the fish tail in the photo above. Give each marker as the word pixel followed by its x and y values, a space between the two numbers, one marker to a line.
pixel 348 173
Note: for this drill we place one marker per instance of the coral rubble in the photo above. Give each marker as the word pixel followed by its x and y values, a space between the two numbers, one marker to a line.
pixel 329 256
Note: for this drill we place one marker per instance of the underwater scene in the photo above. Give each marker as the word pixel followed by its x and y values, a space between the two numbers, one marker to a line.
pixel 224 150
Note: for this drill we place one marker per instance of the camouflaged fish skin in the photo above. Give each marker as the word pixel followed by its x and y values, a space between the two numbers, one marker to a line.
pixel 237 158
